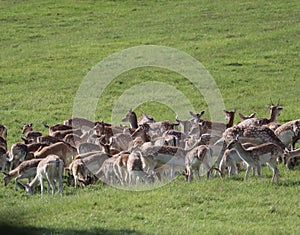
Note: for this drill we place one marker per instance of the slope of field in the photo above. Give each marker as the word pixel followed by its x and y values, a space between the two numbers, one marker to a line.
pixel 250 48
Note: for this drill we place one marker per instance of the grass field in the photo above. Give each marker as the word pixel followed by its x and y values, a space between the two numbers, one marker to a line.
pixel 250 48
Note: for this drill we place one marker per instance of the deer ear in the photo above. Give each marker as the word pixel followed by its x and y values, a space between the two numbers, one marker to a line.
pixel 193 114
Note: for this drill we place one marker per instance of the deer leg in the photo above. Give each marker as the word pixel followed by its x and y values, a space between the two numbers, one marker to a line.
pixel 259 171
pixel 247 172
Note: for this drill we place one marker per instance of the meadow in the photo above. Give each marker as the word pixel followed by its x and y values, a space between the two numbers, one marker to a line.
pixel 250 48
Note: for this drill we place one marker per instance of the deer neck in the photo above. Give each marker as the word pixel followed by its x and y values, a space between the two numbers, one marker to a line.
pixel 273 115
pixel 241 151
pixel 133 120
pixel 230 121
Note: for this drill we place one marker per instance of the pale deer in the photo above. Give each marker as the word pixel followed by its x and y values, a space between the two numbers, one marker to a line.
pixel 289 133
pixel 51 169
pixel 232 160
pixel 135 169
pixel 187 124
pixel 88 147
pixel 26 169
pixel 256 156
pixel 17 154
pixel 201 155
pixel 154 156
pixel 82 167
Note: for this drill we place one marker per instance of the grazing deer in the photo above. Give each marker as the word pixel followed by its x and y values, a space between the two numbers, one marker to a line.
pixel 120 167
pixel 107 173
pixel 51 169
pixel 292 162
pixel 201 155
pixel 26 169
pixel 3 131
pixel 154 156
pixel 290 157
pixel 81 167
pixel 258 155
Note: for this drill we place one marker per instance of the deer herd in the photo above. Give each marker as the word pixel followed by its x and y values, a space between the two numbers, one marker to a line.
pixel 83 152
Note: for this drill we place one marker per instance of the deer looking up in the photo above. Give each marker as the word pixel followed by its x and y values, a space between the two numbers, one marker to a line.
pixel 30 134
pixel 274 113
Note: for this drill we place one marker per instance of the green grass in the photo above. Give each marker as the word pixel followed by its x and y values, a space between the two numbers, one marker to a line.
pixel 251 48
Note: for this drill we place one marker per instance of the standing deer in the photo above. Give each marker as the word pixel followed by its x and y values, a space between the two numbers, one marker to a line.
pixel 258 155
pixel 51 169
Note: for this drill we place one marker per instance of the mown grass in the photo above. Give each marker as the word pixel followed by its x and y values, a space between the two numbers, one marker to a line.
pixel 251 48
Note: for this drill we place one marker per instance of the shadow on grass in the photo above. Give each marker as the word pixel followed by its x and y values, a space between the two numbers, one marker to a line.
pixel 15 230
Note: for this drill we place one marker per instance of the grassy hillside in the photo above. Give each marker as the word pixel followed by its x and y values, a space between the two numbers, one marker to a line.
pixel 251 49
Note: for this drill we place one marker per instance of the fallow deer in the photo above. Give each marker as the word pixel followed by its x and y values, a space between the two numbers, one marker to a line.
pixel 187 124
pixel 65 151
pixel 289 133
pixel 30 134
pixel 256 156
pixel 79 123
pixel 3 131
pixel 90 164
pixel 201 155
pixel 17 154
pixel 135 169
pixel 274 113
pixel 57 127
pixel 51 169
pixel 26 169
pixel 291 156
pixel 252 134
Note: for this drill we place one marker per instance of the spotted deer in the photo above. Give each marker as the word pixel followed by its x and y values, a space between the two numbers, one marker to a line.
pixel 256 156
pixel 252 134
pixel 274 113
pixel 289 133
